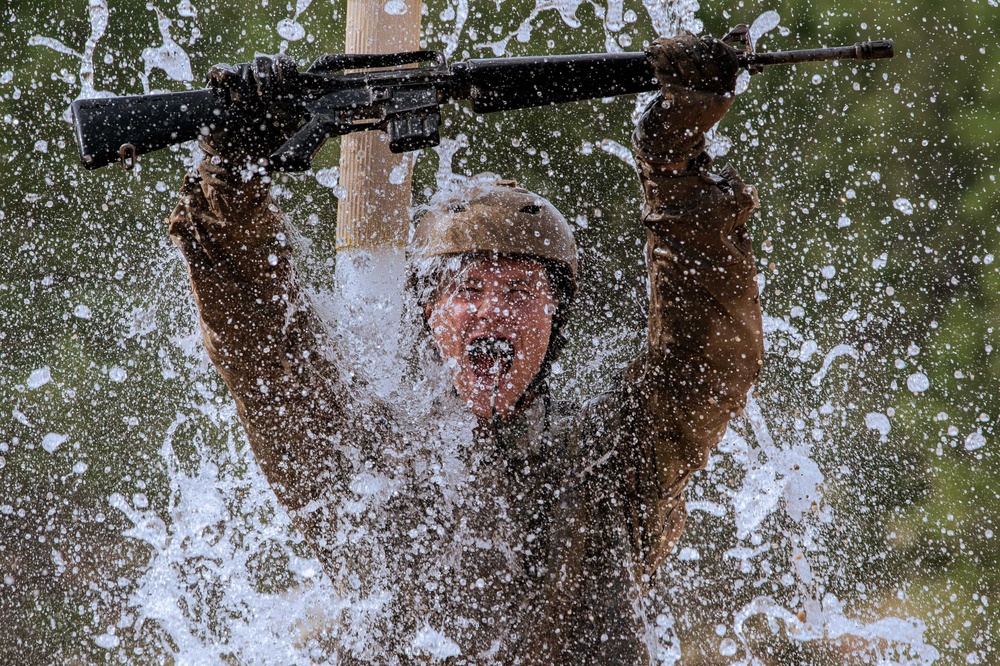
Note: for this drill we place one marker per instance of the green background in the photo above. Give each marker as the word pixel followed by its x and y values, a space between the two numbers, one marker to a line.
pixel 912 512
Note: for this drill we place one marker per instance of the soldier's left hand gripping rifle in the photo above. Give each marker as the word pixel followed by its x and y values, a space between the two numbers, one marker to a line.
pixel 400 94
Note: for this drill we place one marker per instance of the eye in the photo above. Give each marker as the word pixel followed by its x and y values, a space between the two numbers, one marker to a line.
pixel 468 291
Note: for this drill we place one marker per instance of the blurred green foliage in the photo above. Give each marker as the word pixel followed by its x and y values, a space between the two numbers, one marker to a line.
pixel 93 291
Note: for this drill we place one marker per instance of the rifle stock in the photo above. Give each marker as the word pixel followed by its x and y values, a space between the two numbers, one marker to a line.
pixel 106 126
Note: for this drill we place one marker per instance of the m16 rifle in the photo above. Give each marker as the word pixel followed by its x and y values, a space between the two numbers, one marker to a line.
pixel 400 94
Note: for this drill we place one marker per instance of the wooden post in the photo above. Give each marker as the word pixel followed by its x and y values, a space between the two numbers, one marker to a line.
pixel 374 214
pixel 373 219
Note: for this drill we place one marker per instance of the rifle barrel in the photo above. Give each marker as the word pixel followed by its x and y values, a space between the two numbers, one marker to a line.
pixel 875 50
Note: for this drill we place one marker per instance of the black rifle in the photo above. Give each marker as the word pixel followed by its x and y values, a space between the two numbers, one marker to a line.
pixel 404 101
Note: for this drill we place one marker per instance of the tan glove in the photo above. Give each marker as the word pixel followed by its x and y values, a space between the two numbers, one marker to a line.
pixel 698 77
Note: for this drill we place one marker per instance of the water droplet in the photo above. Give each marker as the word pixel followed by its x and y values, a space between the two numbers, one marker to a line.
pixel 903 206
pixel 117 374
pixel 817 79
pixel 39 377
pixel 82 311
pixel 918 382
pixel 727 647
pixel 688 554
pixel 878 422
pixel 291 30
pixel 53 441
pixel 331 178
pixel 186 9
pixel 395 7
pixel 764 24
pixel 975 441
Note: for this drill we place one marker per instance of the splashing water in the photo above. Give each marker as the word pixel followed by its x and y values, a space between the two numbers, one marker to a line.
pixel 291 29
pixel 226 576
pixel 168 57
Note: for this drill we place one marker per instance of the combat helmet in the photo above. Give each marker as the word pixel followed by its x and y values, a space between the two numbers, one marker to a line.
pixel 500 218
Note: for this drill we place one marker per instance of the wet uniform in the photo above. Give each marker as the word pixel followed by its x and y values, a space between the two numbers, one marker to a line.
pixel 530 541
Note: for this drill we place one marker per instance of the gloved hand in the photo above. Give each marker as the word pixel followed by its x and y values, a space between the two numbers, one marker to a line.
pixel 258 122
pixel 703 64
pixel 698 78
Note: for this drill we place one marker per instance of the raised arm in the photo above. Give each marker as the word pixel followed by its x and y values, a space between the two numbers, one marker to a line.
pixel 705 344
pixel 259 329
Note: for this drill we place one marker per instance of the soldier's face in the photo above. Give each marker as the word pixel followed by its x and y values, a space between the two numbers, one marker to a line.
pixel 492 324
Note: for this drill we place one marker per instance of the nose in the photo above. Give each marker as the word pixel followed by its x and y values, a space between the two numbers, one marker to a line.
pixel 487 305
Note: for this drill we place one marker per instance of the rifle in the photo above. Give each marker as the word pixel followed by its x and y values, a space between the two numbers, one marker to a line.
pixel 404 100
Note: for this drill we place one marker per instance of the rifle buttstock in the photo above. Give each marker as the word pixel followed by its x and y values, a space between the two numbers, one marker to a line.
pixel 108 128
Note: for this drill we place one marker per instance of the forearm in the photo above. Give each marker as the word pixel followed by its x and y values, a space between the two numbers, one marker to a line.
pixel 258 330
pixel 705 340
pixel 233 240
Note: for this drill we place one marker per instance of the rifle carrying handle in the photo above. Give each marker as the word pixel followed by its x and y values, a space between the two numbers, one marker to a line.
pixel 108 128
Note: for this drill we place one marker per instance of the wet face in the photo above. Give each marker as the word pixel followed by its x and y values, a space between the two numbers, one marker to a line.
pixel 492 323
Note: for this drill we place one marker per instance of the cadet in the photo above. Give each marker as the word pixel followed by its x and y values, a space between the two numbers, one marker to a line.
pixel 530 534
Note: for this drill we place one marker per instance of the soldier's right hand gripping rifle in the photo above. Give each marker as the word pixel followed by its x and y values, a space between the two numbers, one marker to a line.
pixel 260 119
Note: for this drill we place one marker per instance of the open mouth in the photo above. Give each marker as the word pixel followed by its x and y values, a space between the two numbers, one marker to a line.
pixel 490 357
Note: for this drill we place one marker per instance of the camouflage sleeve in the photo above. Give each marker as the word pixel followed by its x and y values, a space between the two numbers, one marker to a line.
pixel 705 340
pixel 260 332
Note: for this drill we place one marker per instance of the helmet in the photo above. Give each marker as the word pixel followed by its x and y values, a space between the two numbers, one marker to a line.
pixel 497 217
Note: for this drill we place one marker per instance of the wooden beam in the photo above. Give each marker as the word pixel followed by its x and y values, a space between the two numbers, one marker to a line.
pixel 374 213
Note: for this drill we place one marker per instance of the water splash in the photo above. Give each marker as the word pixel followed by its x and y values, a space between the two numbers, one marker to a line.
pixel 203 590
pixel 169 57
pixel 824 619
pixel 291 29
pixel 98 13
